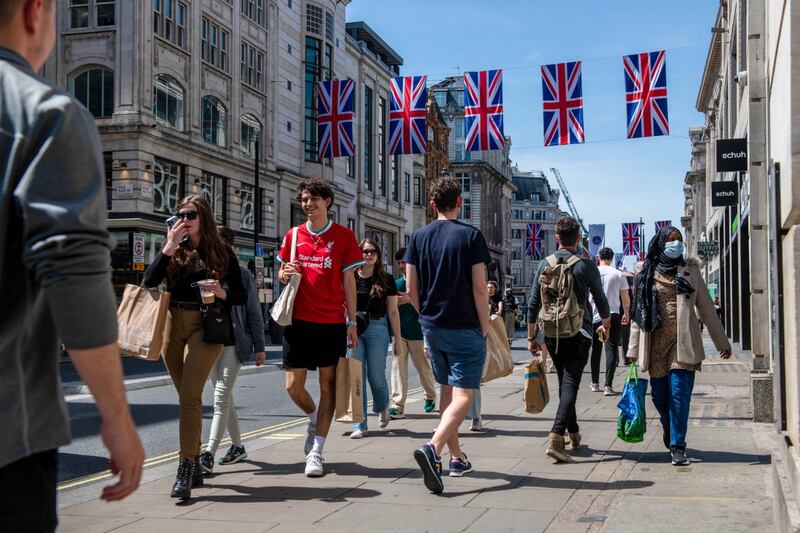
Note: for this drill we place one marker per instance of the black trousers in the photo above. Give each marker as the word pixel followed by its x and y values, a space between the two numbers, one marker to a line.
pixel 611 348
pixel 569 359
pixel 28 494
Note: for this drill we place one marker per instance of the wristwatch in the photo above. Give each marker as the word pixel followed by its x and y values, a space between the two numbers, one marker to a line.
pixel 351 323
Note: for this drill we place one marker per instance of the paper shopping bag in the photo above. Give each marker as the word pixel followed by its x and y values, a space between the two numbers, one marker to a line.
pixel 499 362
pixel 141 317
pixel 349 391
pixel 537 395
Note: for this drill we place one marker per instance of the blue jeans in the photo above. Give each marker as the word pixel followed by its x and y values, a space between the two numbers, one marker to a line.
pixel 457 355
pixel 373 345
pixel 671 396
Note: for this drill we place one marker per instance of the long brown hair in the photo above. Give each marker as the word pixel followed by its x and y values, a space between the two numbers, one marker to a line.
pixel 211 253
pixel 380 278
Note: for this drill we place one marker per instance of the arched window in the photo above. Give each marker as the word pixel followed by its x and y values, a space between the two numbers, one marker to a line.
pixel 168 98
pixel 214 121
pixel 250 134
pixel 94 88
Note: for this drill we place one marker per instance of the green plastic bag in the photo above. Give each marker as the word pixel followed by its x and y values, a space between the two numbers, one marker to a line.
pixel 632 419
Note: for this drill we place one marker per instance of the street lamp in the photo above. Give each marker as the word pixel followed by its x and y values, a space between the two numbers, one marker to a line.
pixel 641 238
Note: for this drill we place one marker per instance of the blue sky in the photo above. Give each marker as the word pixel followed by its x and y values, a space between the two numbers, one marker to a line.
pixel 611 180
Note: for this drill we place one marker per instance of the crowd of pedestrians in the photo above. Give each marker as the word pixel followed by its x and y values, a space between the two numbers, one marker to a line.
pixel 437 312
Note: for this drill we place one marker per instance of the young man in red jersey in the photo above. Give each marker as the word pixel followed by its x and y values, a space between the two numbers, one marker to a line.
pixel 324 313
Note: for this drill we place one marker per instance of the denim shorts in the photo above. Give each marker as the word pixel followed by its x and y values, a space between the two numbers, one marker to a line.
pixel 457 355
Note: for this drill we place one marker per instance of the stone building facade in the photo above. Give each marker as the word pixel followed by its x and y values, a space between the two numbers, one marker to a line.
pixel 746 93
pixel 186 92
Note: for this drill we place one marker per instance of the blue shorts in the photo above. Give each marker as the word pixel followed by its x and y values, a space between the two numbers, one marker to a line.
pixel 457 355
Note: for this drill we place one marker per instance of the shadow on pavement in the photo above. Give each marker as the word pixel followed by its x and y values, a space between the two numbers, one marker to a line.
pixel 285 493
pixel 709 456
pixel 84 419
pixel 72 465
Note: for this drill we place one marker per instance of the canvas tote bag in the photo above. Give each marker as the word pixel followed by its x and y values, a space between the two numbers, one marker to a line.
pixel 349 390
pixel 141 317
pixel 499 362
pixel 282 310
pixel 537 394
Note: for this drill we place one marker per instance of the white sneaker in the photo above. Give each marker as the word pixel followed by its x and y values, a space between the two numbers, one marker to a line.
pixel 595 387
pixel 311 432
pixel 314 464
pixel 608 391
pixel 477 424
pixel 358 434
pixel 383 417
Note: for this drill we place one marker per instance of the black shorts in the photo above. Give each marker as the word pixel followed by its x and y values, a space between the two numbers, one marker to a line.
pixel 311 345
pixel 28 493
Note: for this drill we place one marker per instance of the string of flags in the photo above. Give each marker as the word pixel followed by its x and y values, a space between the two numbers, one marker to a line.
pixel 562 107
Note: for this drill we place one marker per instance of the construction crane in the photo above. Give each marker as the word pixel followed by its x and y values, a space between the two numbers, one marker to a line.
pixel 570 205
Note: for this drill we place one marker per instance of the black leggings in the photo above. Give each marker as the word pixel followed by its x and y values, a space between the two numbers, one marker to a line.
pixel 611 348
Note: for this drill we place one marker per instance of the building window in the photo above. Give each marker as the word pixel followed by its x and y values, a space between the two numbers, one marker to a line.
pixel 516 253
pixel 516 234
pixel 351 166
pixel 368 138
pixel 212 188
pixel 516 214
pixel 407 186
pixel 327 65
pixel 254 10
pixel 382 144
pixel 537 215
pixel 169 21
pixel 247 194
pixel 441 97
pixel 213 44
pixel 167 179
pixel 250 134
pixel 329 25
pixel 466 194
pixel 78 14
pixel 314 19
pixel 252 66
pixel 395 183
pixel 289 4
pixel 214 121
pixel 536 197
pixel 104 13
pixel 313 64
pixel 417 190
pixel 168 98
pixel 94 88
pixel 351 224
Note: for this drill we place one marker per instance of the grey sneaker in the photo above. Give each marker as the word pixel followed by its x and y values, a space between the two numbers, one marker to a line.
pixel 314 465
pixel 383 418
pixel 477 424
pixel 595 387
pixel 207 462
pixel 609 391
pixel 679 456
pixel 311 432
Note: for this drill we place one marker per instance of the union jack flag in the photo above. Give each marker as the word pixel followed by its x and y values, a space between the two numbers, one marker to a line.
pixel 335 104
pixel 562 102
pixel 630 238
pixel 646 94
pixel 407 115
pixel 483 110
pixel 662 224
pixel 533 241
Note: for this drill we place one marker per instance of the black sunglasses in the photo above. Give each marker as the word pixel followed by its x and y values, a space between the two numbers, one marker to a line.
pixel 189 215
pixel 369 251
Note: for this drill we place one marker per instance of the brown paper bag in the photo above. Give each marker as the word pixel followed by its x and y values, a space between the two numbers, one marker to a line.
pixel 537 395
pixel 499 362
pixel 141 317
pixel 349 390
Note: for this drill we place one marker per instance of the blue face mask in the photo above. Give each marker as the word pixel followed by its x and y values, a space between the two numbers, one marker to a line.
pixel 674 249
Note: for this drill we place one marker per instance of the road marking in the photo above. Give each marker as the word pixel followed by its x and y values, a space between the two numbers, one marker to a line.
pixel 273 431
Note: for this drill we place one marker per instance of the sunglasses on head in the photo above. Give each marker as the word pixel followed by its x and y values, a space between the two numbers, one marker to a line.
pixel 189 215
pixel 369 251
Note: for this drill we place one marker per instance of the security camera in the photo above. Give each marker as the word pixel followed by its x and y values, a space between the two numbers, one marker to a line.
pixel 741 78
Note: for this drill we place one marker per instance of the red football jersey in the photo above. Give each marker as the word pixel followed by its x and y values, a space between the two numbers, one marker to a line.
pixel 323 256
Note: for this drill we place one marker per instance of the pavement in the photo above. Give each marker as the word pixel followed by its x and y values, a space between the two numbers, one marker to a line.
pixel 374 484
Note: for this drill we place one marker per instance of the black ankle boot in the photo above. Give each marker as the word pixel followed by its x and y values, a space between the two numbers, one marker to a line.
pixel 182 488
pixel 197 475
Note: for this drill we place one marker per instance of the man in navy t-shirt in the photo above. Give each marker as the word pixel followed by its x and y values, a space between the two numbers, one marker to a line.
pixel 446 281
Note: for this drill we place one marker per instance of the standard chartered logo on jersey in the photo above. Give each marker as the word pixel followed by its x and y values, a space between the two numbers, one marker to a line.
pixel 314 261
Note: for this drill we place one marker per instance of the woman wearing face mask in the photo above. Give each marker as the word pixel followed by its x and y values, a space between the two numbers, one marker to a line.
pixel 665 336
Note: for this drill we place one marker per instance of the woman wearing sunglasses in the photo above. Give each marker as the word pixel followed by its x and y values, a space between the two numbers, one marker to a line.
pixel 193 252
pixel 377 299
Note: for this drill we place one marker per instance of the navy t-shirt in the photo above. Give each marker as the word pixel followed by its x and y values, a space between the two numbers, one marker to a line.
pixel 443 253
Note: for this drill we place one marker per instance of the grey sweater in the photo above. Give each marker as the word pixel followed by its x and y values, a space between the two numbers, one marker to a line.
pixel 248 321
pixel 55 266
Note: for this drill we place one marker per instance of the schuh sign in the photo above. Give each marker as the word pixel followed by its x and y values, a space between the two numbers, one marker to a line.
pixel 731 155
pixel 724 193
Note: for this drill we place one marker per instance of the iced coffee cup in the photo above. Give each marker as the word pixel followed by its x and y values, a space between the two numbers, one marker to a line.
pixel 206 294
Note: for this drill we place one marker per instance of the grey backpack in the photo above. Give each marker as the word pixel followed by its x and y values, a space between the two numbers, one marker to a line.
pixel 561 315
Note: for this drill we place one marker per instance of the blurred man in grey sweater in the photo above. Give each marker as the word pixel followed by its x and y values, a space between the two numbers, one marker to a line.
pixel 54 277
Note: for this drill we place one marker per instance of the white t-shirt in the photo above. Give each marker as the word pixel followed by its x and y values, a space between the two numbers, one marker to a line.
pixel 614 282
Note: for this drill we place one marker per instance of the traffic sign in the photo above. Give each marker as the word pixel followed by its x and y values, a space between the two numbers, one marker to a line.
pixel 259 250
pixel 259 262
pixel 138 267
pixel 707 248
pixel 138 248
